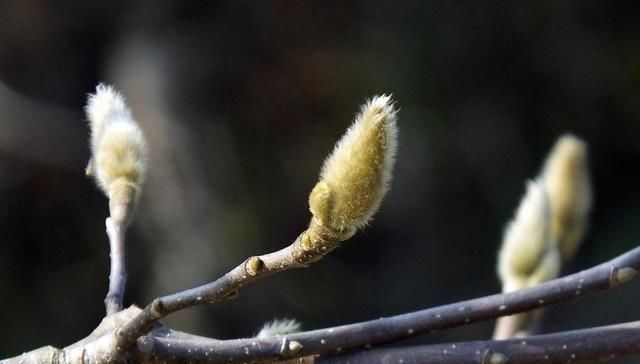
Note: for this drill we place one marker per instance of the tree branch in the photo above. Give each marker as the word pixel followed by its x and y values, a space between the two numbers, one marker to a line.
pixel 385 330
pixel 578 346
pixel 309 247
pixel 575 346
pixel 167 345
pixel 99 347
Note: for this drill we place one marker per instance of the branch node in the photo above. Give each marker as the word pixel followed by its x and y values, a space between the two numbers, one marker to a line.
pixel 621 275
pixel 497 358
pixel 253 266
pixel 315 242
pixel 156 308
pixel 489 357
pixel 306 243
pixel 294 347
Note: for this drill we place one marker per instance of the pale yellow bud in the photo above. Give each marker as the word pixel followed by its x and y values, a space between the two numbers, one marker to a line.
pixel 104 107
pixel 528 256
pixel 118 148
pixel 356 176
pixel 566 179
pixel 522 324
pixel 547 269
pixel 527 248
pixel 548 227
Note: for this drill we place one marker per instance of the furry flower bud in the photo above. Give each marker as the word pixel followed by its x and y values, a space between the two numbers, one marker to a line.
pixel 356 176
pixel 566 179
pixel 118 148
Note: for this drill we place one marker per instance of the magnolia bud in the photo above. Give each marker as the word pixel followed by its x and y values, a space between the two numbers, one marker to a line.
pixel 566 179
pixel 356 176
pixel 119 152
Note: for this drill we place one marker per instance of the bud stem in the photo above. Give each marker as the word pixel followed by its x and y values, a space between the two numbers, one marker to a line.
pixel 118 276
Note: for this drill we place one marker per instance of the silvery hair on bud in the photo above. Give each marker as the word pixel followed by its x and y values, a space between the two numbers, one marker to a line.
pixel 118 146
pixel 356 175
pixel 278 327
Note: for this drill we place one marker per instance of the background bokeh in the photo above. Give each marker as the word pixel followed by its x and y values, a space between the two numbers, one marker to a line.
pixel 241 101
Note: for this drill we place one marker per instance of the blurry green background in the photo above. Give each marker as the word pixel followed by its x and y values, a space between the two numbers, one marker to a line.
pixel 241 102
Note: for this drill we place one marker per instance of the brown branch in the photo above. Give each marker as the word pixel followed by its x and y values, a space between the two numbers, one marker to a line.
pixel 578 346
pixel 385 330
pixel 309 247
pixel 165 345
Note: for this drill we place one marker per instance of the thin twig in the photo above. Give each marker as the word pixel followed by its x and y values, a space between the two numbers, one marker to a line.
pixel 118 274
pixel 578 346
pixel 299 254
pixel 385 330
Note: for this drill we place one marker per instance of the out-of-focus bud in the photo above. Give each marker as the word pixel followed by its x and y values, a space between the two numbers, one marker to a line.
pixel 566 180
pixel 527 243
pixel 528 256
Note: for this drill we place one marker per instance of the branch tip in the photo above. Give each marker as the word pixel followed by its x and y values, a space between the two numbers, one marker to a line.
pixel 497 358
pixel 621 276
pixel 156 308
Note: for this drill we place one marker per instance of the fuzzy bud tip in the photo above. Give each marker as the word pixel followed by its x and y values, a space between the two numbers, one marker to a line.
pixel 566 179
pixel 356 176
pixel 278 327
pixel 119 151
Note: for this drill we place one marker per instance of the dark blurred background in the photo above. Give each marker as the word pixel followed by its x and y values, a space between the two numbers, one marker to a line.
pixel 241 101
